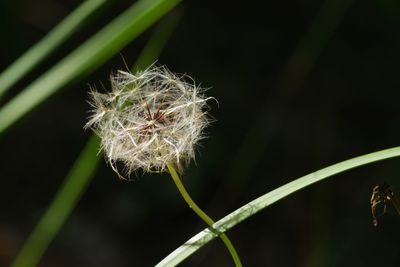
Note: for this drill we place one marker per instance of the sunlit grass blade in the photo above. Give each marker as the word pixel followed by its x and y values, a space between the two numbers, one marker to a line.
pixel 73 22
pixel 81 173
pixel 251 208
pixel 86 58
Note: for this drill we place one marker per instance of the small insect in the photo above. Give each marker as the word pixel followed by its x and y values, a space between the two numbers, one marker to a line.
pixel 382 195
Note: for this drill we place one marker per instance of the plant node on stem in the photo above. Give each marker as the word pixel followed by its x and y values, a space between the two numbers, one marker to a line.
pixel 202 214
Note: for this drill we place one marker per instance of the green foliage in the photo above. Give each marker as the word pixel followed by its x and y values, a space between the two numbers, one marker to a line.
pixel 91 55
pixel 130 24
pixel 86 58
pixel 260 203
pixel 48 44
pixel 61 207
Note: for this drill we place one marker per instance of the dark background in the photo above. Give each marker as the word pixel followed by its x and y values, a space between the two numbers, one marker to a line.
pixel 300 85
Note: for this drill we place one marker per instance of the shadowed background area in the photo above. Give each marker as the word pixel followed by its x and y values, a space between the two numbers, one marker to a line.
pixel 300 85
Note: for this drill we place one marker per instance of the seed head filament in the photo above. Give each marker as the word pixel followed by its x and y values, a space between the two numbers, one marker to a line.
pixel 154 121
pixel 149 119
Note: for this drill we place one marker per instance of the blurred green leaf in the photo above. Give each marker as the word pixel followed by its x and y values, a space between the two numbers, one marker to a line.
pixel 48 44
pixel 64 202
pixel 83 169
pixel 157 41
pixel 86 58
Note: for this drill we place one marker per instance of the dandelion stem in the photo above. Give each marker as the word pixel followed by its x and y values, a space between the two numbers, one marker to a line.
pixel 202 214
pixel 266 200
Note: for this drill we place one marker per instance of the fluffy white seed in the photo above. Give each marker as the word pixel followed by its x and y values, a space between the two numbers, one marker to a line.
pixel 149 119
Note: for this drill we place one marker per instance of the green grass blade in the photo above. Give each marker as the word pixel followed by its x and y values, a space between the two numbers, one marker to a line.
pixel 157 41
pixel 80 175
pixel 76 20
pixel 61 207
pixel 86 58
pixel 251 208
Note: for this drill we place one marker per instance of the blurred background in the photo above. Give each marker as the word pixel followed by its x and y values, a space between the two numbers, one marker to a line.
pixel 300 84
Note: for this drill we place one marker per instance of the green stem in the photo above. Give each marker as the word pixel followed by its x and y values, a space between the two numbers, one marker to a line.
pixel 202 214
pixel 251 208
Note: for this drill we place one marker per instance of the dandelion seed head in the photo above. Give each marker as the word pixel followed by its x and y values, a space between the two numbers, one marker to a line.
pixel 149 119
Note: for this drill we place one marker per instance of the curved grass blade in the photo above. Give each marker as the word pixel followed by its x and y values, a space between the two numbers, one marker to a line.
pixel 251 208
